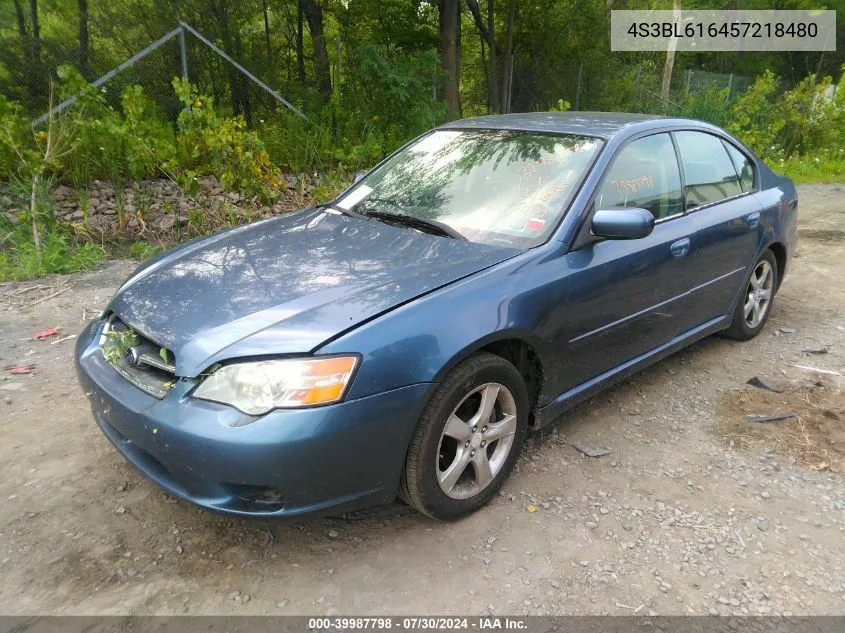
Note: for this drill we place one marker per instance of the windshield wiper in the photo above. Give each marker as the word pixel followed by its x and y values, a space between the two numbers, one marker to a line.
pixel 421 224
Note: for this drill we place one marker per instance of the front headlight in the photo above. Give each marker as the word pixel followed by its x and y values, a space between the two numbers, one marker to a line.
pixel 258 387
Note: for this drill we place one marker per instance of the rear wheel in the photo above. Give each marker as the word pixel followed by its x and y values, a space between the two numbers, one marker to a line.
pixel 755 304
pixel 468 438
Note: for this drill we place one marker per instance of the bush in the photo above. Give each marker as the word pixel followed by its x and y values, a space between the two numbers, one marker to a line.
pixel 712 105
pixel 208 143
pixel 804 121
pixel 60 253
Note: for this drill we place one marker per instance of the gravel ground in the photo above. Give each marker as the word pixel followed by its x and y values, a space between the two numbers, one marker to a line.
pixel 693 511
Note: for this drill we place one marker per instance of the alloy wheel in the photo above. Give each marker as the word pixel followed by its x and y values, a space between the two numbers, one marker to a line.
pixel 758 296
pixel 476 441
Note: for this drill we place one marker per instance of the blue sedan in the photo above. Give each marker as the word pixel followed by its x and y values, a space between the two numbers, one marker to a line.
pixel 405 337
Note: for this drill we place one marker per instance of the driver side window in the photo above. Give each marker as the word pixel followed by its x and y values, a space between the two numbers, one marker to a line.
pixel 644 174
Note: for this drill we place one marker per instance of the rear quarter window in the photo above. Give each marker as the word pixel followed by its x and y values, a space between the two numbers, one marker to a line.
pixel 743 166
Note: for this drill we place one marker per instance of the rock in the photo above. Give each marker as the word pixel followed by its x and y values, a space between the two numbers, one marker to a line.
pixel 333 534
pixel 121 510
pixel 764 524
pixel 110 210
pixel 766 494
pixel 78 214
pixel 167 223
pixel 93 202
pixel 235 595
pixel 281 604
pixel 233 196
pixel 555 584
pixel 208 182
pixel 61 192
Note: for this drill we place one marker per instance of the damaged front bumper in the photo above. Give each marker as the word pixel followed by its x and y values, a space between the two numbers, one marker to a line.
pixel 290 462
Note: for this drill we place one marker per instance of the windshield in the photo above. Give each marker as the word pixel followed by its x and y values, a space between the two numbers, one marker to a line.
pixel 492 186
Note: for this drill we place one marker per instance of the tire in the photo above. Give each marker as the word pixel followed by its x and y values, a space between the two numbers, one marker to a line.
pixel 746 325
pixel 445 477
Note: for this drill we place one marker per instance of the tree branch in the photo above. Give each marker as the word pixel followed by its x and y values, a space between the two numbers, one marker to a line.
pixel 482 27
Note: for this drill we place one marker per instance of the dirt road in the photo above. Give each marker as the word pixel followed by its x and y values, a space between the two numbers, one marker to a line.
pixel 693 511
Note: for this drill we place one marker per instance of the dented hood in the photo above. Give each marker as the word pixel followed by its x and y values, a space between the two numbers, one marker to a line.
pixel 286 285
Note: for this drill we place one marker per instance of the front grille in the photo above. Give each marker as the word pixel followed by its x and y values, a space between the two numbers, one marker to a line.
pixel 141 361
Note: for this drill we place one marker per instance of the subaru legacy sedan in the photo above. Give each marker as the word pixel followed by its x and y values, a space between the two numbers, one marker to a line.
pixel 402 339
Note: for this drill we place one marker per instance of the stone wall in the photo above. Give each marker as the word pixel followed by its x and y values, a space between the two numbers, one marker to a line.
pixel 155 206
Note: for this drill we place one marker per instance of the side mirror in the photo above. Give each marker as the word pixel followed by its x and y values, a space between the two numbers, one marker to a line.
pixel 623 224
pixel 358 177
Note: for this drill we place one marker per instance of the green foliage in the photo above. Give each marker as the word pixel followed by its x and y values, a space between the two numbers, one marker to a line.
pixel 295 144
pixel 208 143
pixel 712 105
pixel 755 117
pixel 142 250
pixel 117 343
pixel 562 105
pixel 828 167
pixel 61 253
pixel 802 122
pixel 131 141
pixel 397 94
pixel 14 133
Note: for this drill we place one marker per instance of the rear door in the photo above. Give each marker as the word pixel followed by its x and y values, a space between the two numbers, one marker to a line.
pixel 723 216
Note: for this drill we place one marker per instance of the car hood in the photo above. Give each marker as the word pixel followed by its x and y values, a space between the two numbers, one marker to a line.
pixel 286 285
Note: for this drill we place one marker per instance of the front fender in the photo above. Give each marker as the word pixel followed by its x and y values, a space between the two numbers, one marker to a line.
pixel 424 339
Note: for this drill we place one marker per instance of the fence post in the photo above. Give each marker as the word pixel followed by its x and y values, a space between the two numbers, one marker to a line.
pixel 510 84
pixel 183 53
pixel 730 84
pixel 689 76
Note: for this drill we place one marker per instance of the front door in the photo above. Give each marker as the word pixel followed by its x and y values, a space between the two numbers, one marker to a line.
pixel 622 294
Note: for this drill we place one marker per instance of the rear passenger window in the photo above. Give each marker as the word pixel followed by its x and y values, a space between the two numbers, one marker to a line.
pixel 743 167
pixel 645 174
pixel 708 171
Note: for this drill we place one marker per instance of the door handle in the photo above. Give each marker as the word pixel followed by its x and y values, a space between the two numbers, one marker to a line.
pixel 680 248
pixel 753 219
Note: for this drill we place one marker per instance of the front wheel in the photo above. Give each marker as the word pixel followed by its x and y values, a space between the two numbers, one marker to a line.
pixel 755 304
pixel 468 438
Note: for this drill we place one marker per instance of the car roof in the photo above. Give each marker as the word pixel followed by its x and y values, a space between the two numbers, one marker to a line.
pixel 602 124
